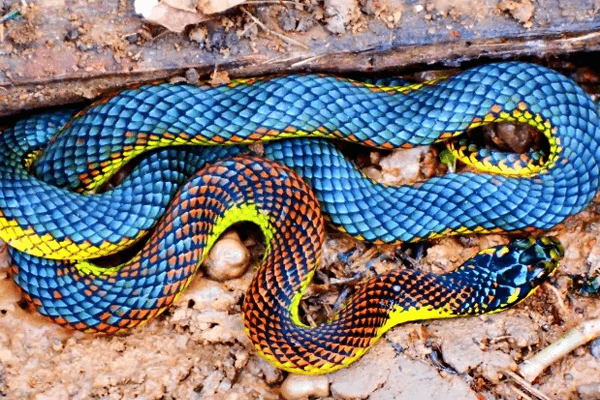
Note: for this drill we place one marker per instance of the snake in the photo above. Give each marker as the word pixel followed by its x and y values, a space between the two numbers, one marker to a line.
pixel 199 178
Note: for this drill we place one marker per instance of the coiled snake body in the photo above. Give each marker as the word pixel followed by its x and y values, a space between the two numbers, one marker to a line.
pixel 52 230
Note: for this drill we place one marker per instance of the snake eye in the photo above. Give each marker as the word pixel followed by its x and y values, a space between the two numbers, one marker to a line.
pixel 541 249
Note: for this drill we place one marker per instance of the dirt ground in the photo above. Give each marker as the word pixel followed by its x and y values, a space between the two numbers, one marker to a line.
pixel 198 350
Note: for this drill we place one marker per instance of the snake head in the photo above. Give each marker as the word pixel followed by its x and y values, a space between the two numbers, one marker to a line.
pixel 541 256
pixel 523 267
pixel 504 275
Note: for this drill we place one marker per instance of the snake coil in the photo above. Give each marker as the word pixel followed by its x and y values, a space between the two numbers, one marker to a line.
pixel 55 232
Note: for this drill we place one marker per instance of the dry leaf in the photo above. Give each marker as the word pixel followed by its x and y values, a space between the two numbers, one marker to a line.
pixel 175 15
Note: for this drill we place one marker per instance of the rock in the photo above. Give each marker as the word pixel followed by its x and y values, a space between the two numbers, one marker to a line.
pixel 494 362
pixel 595 349
pixel 339 14
pixel 211 383
pixel 288 19
pixel 590 391
pixel 593 259
pixel 204 293
pixel 402 166
pixel 198 35
pixel 305 24
pixel 583 372
pixel 521 330
pixel 365 376
pixel 272 374
pixel 410 379
pixel 462 346
pixel 522 10
pixel 228 258
pixel 517 138
pixel 446 255
pixel 218 327
pixel 462 353
pixel 298 387
pixel 367 7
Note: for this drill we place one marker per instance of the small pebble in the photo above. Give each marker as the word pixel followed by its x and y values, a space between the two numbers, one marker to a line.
pixel 287 19
pixel 305 24
pixel 198 35
pixel 402 166
pixel 72 35
pixel 517 137
pixel 272 375
pixel 192 76
pixel 228 259
pixel 56 344
pixel 224 386
pixel 568 377
pixel 303 387
pixel 133 38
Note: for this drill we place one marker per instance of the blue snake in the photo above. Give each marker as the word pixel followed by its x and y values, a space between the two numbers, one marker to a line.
pixel 53 163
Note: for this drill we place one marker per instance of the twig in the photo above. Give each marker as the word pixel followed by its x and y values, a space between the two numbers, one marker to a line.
pixel 578 336
pixel 279 59
pixel 587 36
pixel 525 385
pixel 345 281
pixel 247 29
pixel 520 393
pixel 280 36
pixel 305 61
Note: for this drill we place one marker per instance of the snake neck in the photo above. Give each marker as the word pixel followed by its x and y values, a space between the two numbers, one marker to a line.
pixel 493 280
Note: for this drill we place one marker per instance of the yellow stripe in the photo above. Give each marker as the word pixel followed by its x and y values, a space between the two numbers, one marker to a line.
pixel 30 242
pixel 523 116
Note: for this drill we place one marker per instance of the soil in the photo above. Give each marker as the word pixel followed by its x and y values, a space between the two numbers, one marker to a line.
pixel 198 350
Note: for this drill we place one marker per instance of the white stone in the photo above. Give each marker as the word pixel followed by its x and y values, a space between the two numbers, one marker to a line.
pixel 298 387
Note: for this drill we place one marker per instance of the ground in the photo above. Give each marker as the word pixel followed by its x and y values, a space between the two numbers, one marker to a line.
pixel 198 350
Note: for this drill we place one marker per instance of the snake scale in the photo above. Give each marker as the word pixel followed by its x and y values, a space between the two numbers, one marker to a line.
pixel 184 197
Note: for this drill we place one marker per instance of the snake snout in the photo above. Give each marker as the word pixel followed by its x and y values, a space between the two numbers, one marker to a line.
pixel 523 266
pixel 544 252
pixel 540 257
